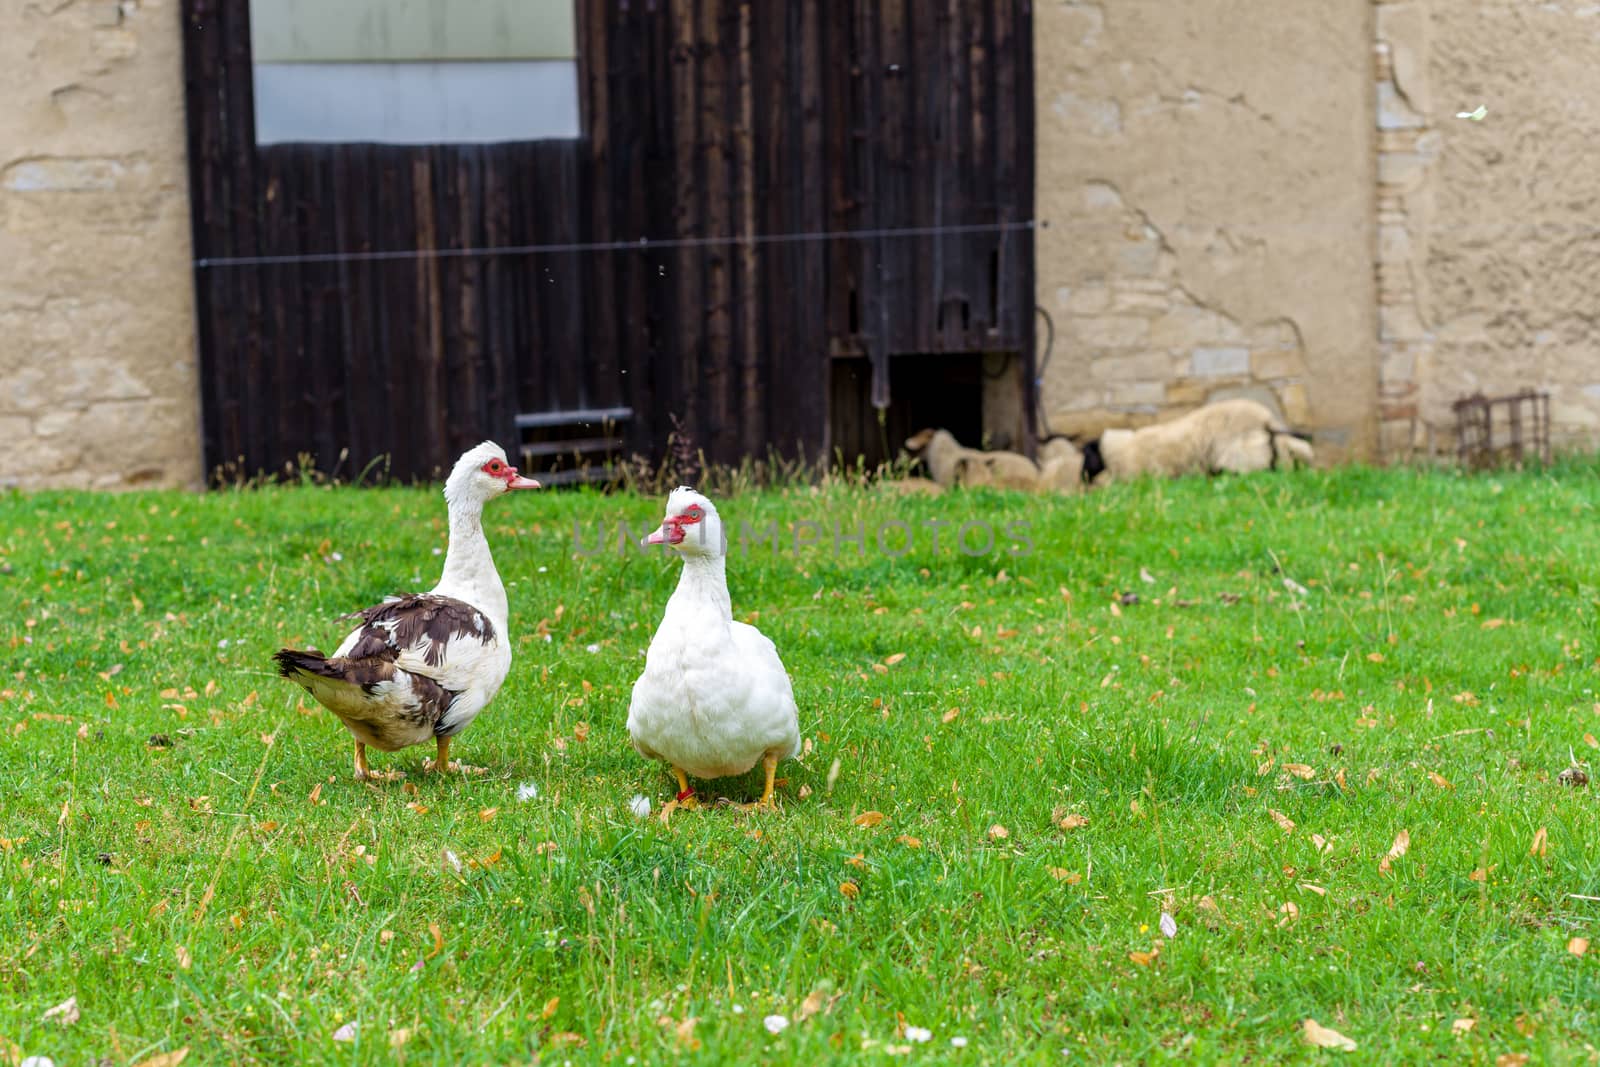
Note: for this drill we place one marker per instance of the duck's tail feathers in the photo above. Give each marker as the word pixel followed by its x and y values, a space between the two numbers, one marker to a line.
pixel 292 663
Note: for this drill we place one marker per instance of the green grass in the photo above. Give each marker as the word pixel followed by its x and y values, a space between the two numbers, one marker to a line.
pixel 1447 628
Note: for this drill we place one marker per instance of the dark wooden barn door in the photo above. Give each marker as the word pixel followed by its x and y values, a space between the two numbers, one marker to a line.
pixel 760 189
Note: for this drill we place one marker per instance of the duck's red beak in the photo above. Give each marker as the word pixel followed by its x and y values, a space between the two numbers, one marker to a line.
pixel 517 481
pixel 668 533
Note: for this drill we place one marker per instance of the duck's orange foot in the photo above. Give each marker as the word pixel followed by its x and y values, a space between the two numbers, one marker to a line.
pixel 686 799
pixel 433 766
pixel 369 775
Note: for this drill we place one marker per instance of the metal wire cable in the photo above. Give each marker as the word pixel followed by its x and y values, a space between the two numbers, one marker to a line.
pixel 642 244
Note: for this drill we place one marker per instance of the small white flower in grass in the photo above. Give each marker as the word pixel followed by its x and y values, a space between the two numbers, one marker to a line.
pixel 347 1032
pixel 958 1042
pixel 544 570
pixel 338 557
pixel 38 1061
pixel 738 1009
pixel 223 643
pixel 919 1035
pixel 548 639
pixel 640 806
pixel 527 791
pixel 438 551
pixel 591 649
pixel 775 1024
pixel 1169 925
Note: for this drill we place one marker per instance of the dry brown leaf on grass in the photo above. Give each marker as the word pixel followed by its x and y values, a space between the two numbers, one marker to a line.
pixel 998 832
pixel 869 818
pixel 185 961
pixel 66 1013
pixel 850 888
pixel 896 658
pixel 1463 1026
pixel 1072 821
pixel 550 1007
pixel 684 1032
pixel 1144 959
pixel 438 940
pixel 1314 1033
pixel 1061 874
pixel 1288 913
pixel 567 1039
pixel 166 1059
pixel 1402 842
pixel 1511 1059
pixel 950 716
pixel 1301 771
pixel 811 1005
pixel 1578 946
pixel 1439 780
pixel 1285 823
pixel 1541 843
pixel 909 841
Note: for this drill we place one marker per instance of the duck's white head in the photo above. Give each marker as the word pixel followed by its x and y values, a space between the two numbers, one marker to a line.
pixel 481 475
pixel 691 527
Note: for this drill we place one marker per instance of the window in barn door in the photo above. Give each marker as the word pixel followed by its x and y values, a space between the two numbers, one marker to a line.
pixel 414 71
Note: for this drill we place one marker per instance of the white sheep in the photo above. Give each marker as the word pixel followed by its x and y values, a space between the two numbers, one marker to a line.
pixel 1060 466
pixel 1238 436
pixel 949 463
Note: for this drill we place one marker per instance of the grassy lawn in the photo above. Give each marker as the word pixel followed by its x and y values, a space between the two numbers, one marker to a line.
pixel 1318 720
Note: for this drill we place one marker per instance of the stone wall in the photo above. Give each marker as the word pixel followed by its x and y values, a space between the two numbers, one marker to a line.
pixel 97 350
pixel 1489 248
pixel 1206 171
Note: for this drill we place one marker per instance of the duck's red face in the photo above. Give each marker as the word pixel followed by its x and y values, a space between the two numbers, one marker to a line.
pixel 499 468
pixel 674 528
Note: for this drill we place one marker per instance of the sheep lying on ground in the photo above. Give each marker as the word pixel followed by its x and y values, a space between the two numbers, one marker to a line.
pixel 1060 466
pixel 949 463
pixel 1238 436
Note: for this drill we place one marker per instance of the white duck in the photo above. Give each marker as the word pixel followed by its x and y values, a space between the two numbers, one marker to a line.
pixel 422 665
pixel 714 699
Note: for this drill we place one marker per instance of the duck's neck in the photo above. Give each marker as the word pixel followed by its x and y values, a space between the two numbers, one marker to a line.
pixel 703 586
pixel 469 572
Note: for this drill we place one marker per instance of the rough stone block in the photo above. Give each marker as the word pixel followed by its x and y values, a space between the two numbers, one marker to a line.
pixel 1271 363
pixel 1134 366
pixel 1099 117
pixel 1112 331
pixel 1137 394
pixel 1090 299
pixel 1296 404
pixel 1394 112
pixel 1220 362
pixel 1190 325
pixel 1187 393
